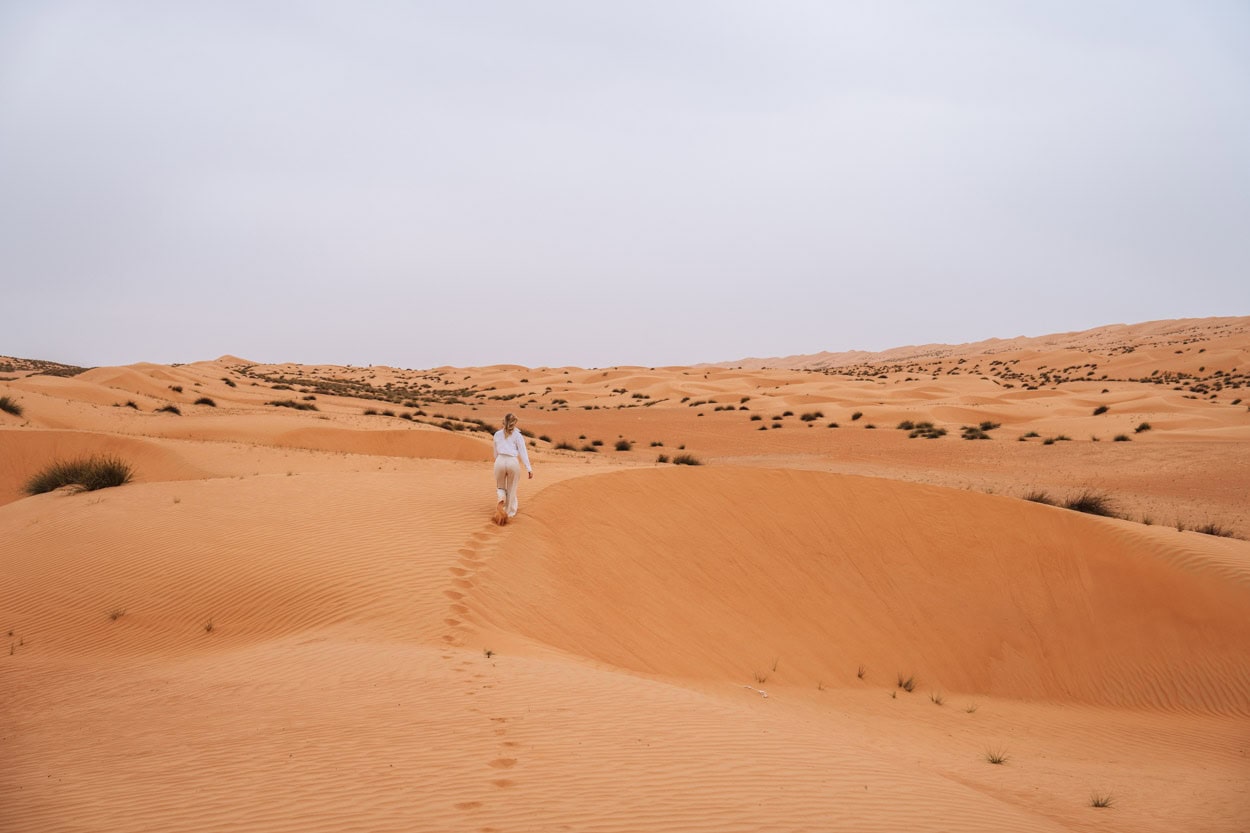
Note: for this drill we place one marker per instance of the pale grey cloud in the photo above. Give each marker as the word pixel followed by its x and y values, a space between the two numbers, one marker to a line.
pixel 566 182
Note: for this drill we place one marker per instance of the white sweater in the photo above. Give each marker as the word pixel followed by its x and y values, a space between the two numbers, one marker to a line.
pixel 513 446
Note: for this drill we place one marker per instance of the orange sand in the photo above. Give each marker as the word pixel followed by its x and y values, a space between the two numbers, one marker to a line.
pixel 648 646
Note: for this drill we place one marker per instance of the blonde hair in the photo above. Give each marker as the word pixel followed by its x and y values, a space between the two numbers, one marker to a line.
pixel 509 424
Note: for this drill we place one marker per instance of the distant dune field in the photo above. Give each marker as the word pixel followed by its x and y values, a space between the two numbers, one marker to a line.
pixel 298 617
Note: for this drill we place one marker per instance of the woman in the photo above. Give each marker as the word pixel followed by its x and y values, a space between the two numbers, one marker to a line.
pixel 509 445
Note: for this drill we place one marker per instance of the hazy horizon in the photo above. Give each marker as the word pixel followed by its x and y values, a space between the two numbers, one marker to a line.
pixel 554 183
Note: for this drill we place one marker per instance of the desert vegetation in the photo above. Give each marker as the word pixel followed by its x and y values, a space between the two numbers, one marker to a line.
pixel 99 471
pixel 291 403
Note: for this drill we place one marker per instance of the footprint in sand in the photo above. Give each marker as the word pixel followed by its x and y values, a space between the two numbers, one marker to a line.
pixel 503 763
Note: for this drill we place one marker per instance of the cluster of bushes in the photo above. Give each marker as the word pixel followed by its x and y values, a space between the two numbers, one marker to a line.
pixel 979 432
pixel 926 430
pixel 291 403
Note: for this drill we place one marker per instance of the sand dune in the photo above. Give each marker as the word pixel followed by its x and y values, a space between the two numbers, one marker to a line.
pixel 802 577
pixel 302 620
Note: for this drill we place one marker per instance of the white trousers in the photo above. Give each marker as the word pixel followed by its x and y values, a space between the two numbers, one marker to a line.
pixel 507 478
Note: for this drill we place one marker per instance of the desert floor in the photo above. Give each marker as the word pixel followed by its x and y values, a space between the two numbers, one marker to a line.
pixel 303 620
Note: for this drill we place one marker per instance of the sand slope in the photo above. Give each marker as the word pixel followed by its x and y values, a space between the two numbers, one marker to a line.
pixel 802 577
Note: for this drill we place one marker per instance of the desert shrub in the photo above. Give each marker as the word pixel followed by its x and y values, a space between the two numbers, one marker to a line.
pixel 832 425
pixel 624 445
pixel 1091 503
pixel 596 443
pixel 856 415
pixel 1030 435
pixel 1145 426
pixel 1121 438
pixel 906 425
pixel 973 433
pixel 291 403
pixel 1211 528
pixel 788 413
pixel 687 460
pixel 756 417
pixel 565 446
pixel 281 387
pixel 176 388
pixel 130 403
pixel 1048 441
pixel 811 416
pixel 10 406
pixel 204 400
pixel 1101 409
pixel 369 411
pixel 661 458
pixel 170 409
pixel 91 473
pixel 590 447
pixel 1038 496
pixel 656 444
pixel 926 430
pixel 229 382
pixel 989 426
pixel 406 415
pixel 544 438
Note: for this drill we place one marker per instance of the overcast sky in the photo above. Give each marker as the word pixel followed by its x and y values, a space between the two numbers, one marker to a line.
pixel 590 183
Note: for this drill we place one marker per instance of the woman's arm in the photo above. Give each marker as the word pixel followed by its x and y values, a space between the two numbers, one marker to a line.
pixel 522 452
